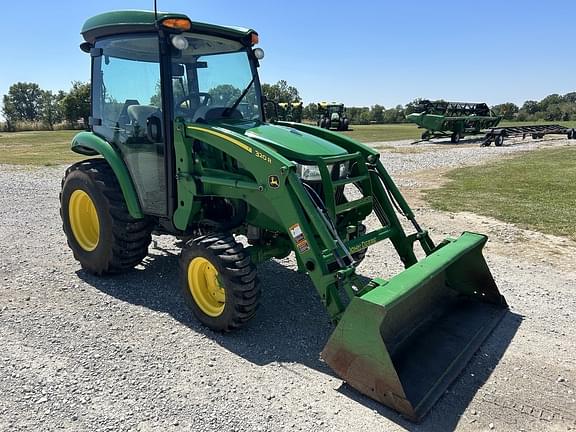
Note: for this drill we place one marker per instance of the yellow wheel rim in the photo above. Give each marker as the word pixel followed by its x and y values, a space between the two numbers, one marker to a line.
pixel 205 287
pixel 84 220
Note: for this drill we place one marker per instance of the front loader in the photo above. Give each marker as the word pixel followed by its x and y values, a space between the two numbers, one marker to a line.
pixel 179 146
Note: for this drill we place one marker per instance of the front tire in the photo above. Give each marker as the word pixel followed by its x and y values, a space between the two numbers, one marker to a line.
pixel 218 282
pixel 103 236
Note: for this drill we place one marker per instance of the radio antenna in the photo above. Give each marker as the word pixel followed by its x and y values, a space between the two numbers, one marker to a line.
pixel 155 11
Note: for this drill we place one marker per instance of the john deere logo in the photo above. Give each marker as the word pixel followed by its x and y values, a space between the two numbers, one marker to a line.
pixel 274 182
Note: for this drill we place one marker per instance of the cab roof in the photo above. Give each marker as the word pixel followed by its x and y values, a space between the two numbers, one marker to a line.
pixel 137 21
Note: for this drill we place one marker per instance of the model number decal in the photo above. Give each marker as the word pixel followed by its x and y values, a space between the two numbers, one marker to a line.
pixel 263 156
pixel 362 245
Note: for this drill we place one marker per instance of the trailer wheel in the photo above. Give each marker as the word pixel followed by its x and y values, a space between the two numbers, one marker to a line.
pixel 218 281
pixel 455 138
pixel 498 140
pixel 425 136
pixel 571 134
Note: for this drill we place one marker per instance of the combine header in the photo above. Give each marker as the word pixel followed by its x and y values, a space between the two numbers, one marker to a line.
pixel 185 150
pixel 453 119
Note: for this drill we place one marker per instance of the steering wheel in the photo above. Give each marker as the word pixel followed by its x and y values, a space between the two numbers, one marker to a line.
pixel 191 98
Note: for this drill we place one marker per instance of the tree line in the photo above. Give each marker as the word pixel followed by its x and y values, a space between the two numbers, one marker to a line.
pixel 554 107
pixel 27 106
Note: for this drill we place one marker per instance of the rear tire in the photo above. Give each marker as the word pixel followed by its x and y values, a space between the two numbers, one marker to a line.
pixel 498 140
pixel 103 236
pixel 218 282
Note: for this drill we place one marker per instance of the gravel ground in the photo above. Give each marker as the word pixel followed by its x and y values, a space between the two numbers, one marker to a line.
pixel 442 154
pixel 123 353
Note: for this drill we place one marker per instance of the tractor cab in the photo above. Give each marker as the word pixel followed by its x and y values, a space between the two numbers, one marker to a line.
pixel 146 75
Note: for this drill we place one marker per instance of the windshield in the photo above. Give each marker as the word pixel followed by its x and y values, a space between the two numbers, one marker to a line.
pixel 212 79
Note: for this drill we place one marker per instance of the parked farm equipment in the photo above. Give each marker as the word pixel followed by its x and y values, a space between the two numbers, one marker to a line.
pixel 497 135
pixel 453 119
pixel 290 111
pixel 184 151
pixel 332 116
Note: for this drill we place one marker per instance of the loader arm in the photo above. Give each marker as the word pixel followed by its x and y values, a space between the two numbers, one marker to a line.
pixel 289 204
pixel 400 341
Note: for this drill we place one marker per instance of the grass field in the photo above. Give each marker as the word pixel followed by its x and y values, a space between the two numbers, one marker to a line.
pixel 53 148
pixel 37 148
pixel 534 190
pixel 384 132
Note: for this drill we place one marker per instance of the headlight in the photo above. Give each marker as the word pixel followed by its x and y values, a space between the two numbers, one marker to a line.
pixel 312 172
pixel 343 171
pixel 308 172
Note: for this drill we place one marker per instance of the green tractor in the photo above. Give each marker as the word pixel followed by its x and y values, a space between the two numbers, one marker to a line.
pixel 332 116
pixel 178 145
pixel 289 111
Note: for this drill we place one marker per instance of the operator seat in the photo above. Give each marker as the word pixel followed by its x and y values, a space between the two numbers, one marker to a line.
pixel 139 115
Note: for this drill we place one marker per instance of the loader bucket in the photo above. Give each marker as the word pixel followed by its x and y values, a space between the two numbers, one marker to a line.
pixel 406 340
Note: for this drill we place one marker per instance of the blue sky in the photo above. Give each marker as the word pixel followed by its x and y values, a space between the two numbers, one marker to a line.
pixel 360 53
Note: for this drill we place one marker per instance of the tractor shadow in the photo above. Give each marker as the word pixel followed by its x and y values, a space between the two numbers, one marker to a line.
pixel 292 326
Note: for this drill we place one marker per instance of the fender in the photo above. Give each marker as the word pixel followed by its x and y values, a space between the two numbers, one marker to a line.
pixel 89 144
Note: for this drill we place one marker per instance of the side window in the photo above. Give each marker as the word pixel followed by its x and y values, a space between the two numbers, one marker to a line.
pixel 127 107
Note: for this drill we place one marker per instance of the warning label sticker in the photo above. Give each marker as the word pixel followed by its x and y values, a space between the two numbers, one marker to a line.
pixel 298 235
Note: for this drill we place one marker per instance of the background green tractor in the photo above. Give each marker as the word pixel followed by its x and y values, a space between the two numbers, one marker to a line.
pixel 332 116
pixel 178 145
pixel 289 111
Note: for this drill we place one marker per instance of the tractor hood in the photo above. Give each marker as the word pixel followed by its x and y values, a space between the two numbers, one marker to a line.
pixel 290 142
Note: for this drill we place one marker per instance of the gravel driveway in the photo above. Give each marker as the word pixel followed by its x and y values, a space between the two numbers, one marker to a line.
pixel 123 353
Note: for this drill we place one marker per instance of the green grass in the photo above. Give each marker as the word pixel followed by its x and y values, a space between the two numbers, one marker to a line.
pixel 53 148
pixel 384 132
pixel 37 148
pixel 534 191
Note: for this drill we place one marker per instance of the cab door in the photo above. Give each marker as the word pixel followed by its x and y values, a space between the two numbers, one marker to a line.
pixel 127 111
